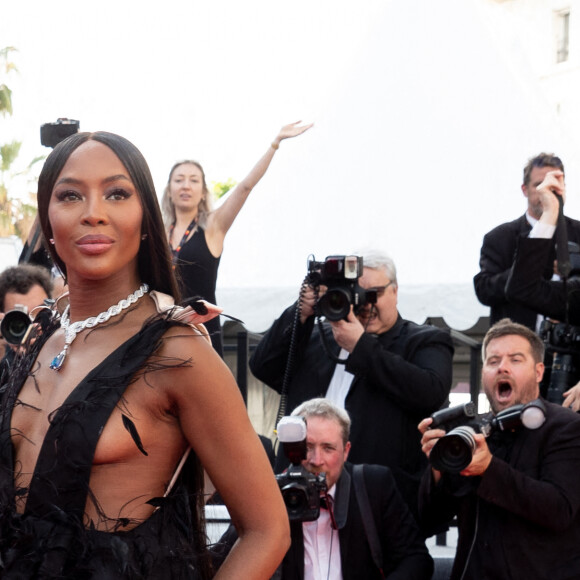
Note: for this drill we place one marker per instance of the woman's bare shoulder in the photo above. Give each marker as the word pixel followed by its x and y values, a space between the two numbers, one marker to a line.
pixel 190 360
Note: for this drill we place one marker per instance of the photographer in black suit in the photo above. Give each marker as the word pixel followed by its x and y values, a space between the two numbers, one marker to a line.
pixel 393 371
pixel 499 246
pixel 526 284
pixel 337 543
pixel 518 500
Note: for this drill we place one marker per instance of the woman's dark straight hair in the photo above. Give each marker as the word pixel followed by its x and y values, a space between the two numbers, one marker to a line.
pixel 154 259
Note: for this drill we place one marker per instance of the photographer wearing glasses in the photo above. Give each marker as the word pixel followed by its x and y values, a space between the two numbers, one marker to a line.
pixel 387 372
pixel 516 498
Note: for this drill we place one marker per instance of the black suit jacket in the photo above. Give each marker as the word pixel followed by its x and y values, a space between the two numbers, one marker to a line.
pixel 496 259
pixel 400 377
pixel 405 556
pixel 521 519
pixel 526 284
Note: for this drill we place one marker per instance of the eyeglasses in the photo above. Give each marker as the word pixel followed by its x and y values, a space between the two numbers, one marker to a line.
pixel 379 290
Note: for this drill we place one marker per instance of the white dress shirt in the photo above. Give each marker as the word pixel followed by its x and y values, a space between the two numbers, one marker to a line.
pixel 340 382
pixel 321 547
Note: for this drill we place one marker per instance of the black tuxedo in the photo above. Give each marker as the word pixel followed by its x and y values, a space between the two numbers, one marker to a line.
pixel 400 377
pixel 405 556
pixel 521 518
pixel 497 256
pixel 526 284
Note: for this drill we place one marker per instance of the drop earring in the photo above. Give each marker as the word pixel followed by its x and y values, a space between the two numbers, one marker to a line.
pixel 51 240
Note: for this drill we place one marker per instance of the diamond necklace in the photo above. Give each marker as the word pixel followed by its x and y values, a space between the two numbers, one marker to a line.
pixel 71 330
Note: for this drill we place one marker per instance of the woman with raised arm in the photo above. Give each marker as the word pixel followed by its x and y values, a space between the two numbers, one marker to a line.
pixel 196 233
pixel 119 398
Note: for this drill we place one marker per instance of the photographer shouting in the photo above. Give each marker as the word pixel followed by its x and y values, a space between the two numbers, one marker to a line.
pixel 518 502
pixel 335 545
pixel 393 372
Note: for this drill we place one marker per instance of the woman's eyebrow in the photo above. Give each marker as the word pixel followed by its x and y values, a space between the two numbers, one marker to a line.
pixel 75 181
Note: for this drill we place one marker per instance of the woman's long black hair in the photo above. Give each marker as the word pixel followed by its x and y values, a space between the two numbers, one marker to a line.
pixel 154 258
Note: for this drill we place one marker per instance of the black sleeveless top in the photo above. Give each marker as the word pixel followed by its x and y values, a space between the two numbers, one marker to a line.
pixel 198 270
pixel 50 540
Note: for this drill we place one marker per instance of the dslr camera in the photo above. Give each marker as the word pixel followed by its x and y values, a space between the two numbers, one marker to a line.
pixel 340 275
pixel 300 489
pixel 16 322
pixel 563 340
pixel 51 134
pixel 454 451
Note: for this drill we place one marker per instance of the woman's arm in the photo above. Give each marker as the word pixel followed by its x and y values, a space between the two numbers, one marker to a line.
pixel 216 424
pixel 220 221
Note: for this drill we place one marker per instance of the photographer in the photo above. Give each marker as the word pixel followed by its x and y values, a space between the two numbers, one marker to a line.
pixel 24 286
pixel 324 548
pixel 395 372
pixel 526 283
pixel 518 501
pixel 499 246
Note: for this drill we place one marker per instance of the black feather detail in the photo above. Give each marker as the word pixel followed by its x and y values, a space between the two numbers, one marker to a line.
pixel 199 307
pixel 130 426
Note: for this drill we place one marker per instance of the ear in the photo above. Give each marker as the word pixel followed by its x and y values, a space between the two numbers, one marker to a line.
pixel 346 450
pixel 539 372
pixel 525 189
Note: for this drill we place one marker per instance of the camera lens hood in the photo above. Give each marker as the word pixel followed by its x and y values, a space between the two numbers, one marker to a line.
pixel 14 326
pixel 335 304
pixel 453 452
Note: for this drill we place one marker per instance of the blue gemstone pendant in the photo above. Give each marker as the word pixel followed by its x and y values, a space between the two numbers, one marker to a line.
pixel 57 361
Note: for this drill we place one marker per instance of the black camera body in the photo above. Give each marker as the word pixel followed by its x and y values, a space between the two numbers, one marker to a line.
pixel 300 489
pixel 454 451
pixel 340 275
pixel 51 134
pixel 563 341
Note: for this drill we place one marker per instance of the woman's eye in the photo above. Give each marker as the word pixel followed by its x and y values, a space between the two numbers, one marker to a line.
pixel 118 194
pixel 67 195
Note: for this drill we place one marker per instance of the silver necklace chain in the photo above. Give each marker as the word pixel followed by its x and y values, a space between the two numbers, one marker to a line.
pixel 71 330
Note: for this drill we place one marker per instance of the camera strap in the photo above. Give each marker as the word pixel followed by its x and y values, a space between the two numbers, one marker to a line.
pixel 367 518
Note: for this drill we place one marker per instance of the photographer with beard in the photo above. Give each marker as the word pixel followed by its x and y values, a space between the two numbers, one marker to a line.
pixel 518 501
pixel 526 284
pixel 394 372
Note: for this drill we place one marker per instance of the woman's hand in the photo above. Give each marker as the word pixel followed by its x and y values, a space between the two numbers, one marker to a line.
pixel 290 130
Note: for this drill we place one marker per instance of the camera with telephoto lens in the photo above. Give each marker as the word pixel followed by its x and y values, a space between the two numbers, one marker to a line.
pixel 300 489
pixel 453 452
pixel 16 322
pixel 340 275
pixel 563 340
